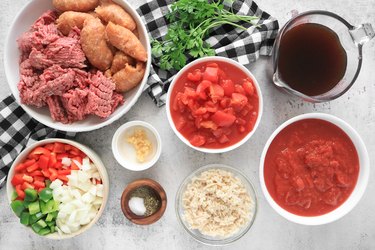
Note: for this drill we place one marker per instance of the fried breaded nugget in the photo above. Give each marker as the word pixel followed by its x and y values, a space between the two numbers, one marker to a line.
pixel 116 14
pixel 129 77
pixel 75 5
pixel 94 44
pixel 70 19
pixel 126 41
pixel 120 60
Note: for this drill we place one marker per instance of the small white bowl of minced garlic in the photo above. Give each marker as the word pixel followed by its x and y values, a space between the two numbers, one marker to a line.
pixel 136 145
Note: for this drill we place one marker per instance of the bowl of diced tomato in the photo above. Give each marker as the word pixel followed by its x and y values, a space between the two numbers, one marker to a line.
pixel 214 104
pixel 58 188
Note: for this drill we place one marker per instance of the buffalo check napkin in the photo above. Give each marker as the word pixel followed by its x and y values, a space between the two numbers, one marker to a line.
pixel 18 130
pixel 244 46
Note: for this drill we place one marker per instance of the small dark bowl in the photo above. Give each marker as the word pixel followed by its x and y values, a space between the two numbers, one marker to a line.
pixel 143 220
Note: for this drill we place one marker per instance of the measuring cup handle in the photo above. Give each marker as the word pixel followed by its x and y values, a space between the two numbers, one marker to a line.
pixel 362 34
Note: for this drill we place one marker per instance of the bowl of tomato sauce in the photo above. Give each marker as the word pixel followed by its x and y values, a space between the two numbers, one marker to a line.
pixel 314 169
pixel 214 104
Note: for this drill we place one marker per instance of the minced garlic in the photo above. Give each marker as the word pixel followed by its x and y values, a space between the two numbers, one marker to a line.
pixel 142 145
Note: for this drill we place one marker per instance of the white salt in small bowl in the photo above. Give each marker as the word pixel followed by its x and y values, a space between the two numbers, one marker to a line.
pixel 125 152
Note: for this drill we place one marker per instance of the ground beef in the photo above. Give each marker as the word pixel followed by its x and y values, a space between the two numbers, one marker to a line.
pixel 52 74
pixel 56 109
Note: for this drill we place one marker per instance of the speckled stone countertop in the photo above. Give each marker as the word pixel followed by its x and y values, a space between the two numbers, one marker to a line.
pixel 270 231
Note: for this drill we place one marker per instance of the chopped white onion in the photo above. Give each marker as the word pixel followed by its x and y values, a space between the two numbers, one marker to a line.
pixel 80 199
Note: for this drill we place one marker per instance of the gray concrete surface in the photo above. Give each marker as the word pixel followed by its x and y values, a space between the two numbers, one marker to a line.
pixel 270 231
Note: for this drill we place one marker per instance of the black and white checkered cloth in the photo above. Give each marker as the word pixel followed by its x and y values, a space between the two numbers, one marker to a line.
pixel 18 130
pixel 245 46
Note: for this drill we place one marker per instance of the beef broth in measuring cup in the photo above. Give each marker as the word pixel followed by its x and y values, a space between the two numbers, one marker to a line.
pixel 318 55
pixel 311 59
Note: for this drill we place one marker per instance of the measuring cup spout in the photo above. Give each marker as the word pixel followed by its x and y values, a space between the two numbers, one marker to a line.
pixel 362 34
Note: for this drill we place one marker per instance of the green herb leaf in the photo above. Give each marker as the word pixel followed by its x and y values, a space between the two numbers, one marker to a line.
pixel 191 22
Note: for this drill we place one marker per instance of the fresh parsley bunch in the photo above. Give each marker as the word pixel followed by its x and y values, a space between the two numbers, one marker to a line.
pixel 191 22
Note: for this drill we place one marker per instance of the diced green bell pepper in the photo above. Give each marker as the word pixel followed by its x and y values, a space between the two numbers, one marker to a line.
pixel 35 217
pixel 51 223
pixel 42 223
pixel 31 194
pixel 46 194
pixel 34 207
pixel 51 216
pixel 25 218
pixel 44 231
pixel 49 206
pixel 17 207
pixel 53 229
pixel 36 227
pixel 14 195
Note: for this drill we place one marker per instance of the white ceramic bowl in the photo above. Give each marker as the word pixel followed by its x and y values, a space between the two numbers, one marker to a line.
pixel 195 233
pixel 22 23
pixel 359 189
pixel 237 65
pixel 94 158
pixel 125 153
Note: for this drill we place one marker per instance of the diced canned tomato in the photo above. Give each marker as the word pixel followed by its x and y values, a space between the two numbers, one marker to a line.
pixel 213 105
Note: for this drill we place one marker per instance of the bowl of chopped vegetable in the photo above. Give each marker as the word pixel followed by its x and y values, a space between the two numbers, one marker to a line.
pixel 214 104
pixel 58 188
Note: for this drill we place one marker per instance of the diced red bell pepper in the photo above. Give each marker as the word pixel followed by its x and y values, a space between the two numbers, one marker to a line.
pixel 27 178
pixel 20 192
pixel 20 167
pixel 40 151
pixel 68 147
pixel 33 167
pixel 75 151
pixel 58 165
pixel 49 146
pixel 53 175
pixel 61 156
pixel 46 173
pixel 63 172
pixel 59 148
pixel 43 161
pixel 30 162
pixel 39 184
pixel 36 173
pixel 64 178
pixel 39 178
pixel 26 185
pixel 17 179
pixel 52 159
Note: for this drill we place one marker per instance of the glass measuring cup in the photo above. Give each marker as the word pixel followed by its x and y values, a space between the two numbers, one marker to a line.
pixel 351 38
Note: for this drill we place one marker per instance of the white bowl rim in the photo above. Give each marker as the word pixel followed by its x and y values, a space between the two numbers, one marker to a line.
pixel 358 191
pixel 71 127
pixel 235 172
pixel 236 64
pixel 93 157
pixel 122 129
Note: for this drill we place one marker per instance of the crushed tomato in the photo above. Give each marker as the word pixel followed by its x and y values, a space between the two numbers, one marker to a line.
pixel 311 167
pixel 214 105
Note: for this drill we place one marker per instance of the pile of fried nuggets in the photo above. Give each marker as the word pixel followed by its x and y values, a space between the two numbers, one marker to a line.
pixel 109 39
